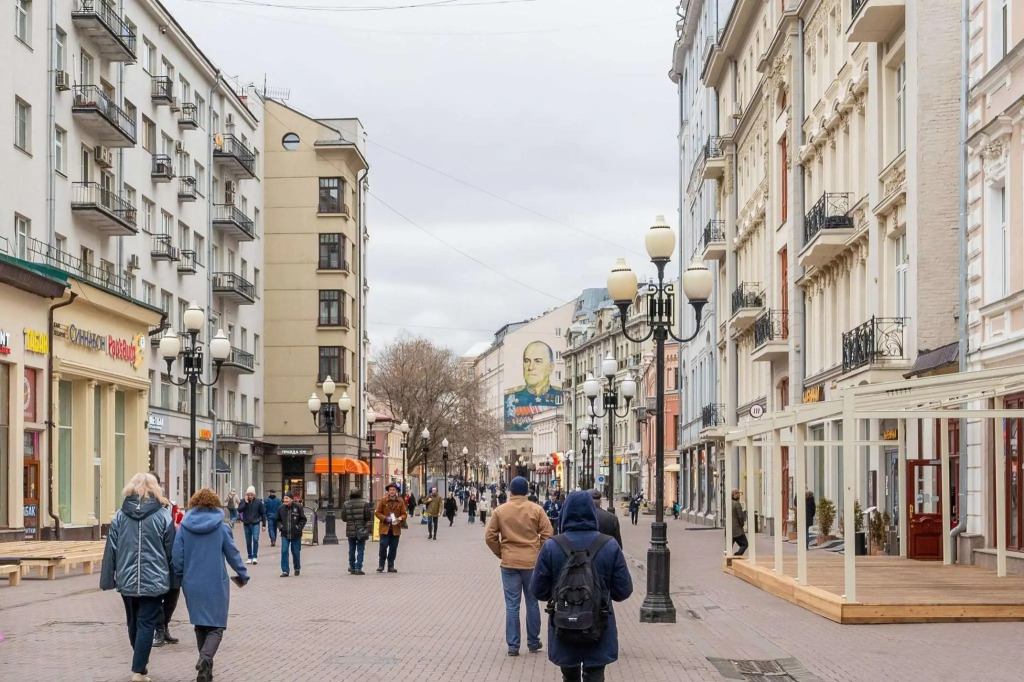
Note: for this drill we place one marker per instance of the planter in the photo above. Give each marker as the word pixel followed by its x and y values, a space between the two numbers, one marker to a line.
pixel 861 544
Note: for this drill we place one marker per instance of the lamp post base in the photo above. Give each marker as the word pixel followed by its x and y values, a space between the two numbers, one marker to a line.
pixel 330 536
pixel 658 606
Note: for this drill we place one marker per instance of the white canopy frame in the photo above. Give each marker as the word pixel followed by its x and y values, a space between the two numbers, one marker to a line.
pixel 945 397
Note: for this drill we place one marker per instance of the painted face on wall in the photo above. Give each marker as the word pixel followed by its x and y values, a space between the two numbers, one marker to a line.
pixel 538 363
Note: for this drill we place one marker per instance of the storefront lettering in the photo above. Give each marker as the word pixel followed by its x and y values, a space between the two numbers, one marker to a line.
pixel 890 434
pixel 119 349
pixel 5 343
pixel 814 394
pixel 205 434
pixel 37 342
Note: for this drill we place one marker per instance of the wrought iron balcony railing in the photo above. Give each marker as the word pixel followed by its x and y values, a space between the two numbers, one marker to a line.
pixel 714 233
pixel 188 117
pixel 877 340
pixel 188 262
pixel 163 248
pixel 772 326
pixel 712 415
pixel 230 283
pixel 162 168
pixel 187 189
pixel 241 358
pixel 93 195
pixel 828 213
pixel 855 6
pixel 161 89
pixel 713 147
pixel 229 429
pixel 233 148
pixel 747 295
pixel 107 15
pixel 92 98
pixel 40 252
pixel 232 216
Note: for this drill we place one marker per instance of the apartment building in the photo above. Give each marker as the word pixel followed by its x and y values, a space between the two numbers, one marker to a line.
pixel 135 171
pixel 836 119
pixel 316 292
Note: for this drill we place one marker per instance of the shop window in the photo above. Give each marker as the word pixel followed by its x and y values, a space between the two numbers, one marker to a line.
pixel 119 443
pixel 5 455
pixel 64 438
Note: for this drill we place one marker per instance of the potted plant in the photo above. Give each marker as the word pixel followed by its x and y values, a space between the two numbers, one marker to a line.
pixel 791 523
pixel 879 528
pixel 860 537
pixel 826 517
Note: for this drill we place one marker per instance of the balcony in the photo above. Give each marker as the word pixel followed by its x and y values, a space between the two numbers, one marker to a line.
pixel 771 336
pixel 747 303
pixel 712 242
pixel 161 90
pixel 103 209
pixel 44 254
pixel 240 361
pixel 714 159
pixel 187 264
pixel 233 157
pixel 229 430
pixel 188 117
pixel 712 419
pixel 234 288
pixel 827 226
pixel 98 114
pixel 233 221
pixel 163 249
pixel 163 169
pixel 877 341
pixel 874 20
pixel 99 20
pixel 187 190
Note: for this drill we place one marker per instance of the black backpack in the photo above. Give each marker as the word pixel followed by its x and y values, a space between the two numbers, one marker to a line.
pixel 578 608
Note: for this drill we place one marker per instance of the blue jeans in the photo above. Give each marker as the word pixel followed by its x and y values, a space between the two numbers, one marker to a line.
pixel 388 549
pixel 515 582
pixel 142 613
pixel 472 517
pixel 272 530
pixel 252 540
pixel 432 525
pixel 296 547
pixel 232 516
pixel 355 553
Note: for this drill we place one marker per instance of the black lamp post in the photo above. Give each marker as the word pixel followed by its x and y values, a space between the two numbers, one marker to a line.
pixel 192 360
pixel 371 417
pixel 587 436
pixel 403 428
pixel 325 418
pixel 425 449
pixel 697 284
pixel 444 463
pixel 609 403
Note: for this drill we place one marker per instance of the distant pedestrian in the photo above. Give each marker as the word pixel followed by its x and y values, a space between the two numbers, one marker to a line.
pixel 607 522
pixel 675 510
pixel 390 512
pixel 483 517
pixel 515 534
pixel 410 503
pixel 451 508
pixel 494 502
pixel 634 509
pixel 233 507
pixel 358 517
pixel 502 497
pixel 432 511
pixel 253 515
pixel 739 517
pixel 137 561
pixel 812 509
pixel 581 654
pixel 554 511
pixel 271 505
pixel 200 550
pixel 471 507
pixel 291 519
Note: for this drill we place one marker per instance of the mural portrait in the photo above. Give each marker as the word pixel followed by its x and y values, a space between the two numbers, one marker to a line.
pixel 536 393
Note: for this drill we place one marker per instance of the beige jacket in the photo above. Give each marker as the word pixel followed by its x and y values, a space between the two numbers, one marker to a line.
pixel 516 531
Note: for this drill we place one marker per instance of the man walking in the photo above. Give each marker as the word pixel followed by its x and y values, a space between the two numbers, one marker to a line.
pixel 515 534
pixel 271 505
pixel 634 509
pixel 607 523
pixel 291 519
pixel 433 504
pixel 739 517
pixel 358 517
pixel 253 515
pixel 391 513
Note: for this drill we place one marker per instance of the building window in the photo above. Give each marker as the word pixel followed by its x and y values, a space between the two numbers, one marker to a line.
pixel 256 281
pixel 23 20
pixel 1003 253
pixel 256 348
pixel 148 292
pixel 900 260
pixel 22 124
pixel 1004 28
pixel 64 441
pixel 200 109
pixel 901 108
pixel 22 233
pixel 330 307
pixel 330 195
pixel 60 50
pixel 784 176
pixel 330 363
pixel 332 251
pixel 166 223
pixel 60 153
pixel 120 440
pixel 148 135
pixel 148 214
pixel 148 56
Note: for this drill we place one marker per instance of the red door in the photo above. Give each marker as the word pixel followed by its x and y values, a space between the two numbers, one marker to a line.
pixel 924 523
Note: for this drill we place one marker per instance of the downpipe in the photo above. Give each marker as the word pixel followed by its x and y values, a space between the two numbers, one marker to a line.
pixel 50 424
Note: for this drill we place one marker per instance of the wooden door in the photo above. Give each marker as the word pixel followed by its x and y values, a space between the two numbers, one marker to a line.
pixel 1013 430
pixel 924 518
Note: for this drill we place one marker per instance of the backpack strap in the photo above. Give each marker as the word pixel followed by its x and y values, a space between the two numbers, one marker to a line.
pixel 564 543
pixel 597 544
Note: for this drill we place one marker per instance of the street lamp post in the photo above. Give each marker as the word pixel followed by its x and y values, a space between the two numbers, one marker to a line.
pixel 425 449
pixel 609 403
pixel 404 430
pixel 192 361
pixel 325 420
pixel 371 417
pixel 697 287
pixel 444 464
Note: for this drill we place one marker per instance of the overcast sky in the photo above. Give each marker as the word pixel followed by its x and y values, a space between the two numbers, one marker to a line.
pixel 563 107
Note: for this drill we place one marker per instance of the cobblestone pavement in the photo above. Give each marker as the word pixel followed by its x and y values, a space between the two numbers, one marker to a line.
pixel 442 617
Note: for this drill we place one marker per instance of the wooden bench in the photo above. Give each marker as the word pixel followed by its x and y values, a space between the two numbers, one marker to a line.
pixel 48 556
pixel 12 569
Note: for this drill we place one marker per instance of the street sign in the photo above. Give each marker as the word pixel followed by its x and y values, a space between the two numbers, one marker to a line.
pixel 600 479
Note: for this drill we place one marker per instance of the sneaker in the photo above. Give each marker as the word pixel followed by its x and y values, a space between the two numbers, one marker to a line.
pixel 296 573
pixel 284 575
pixel 248 561
pixel 536 649
pixel 140 677
pixel 158 637
pixel 255 561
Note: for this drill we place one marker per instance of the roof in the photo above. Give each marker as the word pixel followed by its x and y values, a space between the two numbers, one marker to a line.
pixel 938 358
pixel 35 278
pixel 477 349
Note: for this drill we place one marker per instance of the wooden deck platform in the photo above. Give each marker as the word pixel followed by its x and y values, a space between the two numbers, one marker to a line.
pixel 48 556
pixel 890 589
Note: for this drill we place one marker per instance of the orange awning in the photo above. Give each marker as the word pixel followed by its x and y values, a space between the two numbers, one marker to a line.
pixel 341 465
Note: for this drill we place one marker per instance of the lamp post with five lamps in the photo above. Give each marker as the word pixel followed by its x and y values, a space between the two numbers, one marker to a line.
pixel 609 405
pixel 325 418
pixel 371 417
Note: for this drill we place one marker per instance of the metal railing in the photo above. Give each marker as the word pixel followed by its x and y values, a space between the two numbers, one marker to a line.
pixel 232 146
pixel 163 247
pixel 40 252
pixel 241 358
pixel 712 415
pixel 229 213
pixel 713 147
pixel 855 6
pixel 229 281
pixel 188 261
pixel 92 97
pixel 162 166
pixel 92 194
pixel 772 326
pixel 162 87
pixel 747 295
pixel 107 14
pixel 187 187
pixel 714 232
pixel 189 115
pixel 235 430
pixel 828 213
pixel 878 339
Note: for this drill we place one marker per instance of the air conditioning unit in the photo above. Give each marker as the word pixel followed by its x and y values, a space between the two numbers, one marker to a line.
pixel 179 146
pixel 163 167
pixel 133 262
pixel 104 157
pixel 62 81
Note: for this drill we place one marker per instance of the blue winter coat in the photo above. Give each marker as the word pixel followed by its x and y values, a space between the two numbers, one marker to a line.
pixel 137 556
pixel 579 525
pixel 271 505
pixel 203 542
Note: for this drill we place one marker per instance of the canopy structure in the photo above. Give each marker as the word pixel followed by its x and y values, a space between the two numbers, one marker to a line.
pixel 222 467
pixel 976 396
pixel 341 465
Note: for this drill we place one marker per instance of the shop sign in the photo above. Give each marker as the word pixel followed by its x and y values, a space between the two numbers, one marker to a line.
pixel 890 434
pixel 814 394
pixel 131 352
pixel 37 342
pixel 205 434
pixel 5 343
pixel 294 450
pixel 756 411
pixel 29 388
pixel 156 423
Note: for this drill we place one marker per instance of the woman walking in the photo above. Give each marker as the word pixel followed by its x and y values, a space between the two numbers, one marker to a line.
pixel 451 507
pixel 137 561
pixel 200 549
pixel 233 507
pixel 471 507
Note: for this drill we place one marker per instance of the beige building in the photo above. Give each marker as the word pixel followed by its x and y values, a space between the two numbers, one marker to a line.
pixel 315 292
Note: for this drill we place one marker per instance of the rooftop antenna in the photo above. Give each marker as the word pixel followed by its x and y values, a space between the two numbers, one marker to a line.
pixel 271 92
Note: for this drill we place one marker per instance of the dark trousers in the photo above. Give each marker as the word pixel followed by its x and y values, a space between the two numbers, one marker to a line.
pixel 388 549
pixel 741 540
pixel 451 519
pixel 581 674
pixel 295 546
pixel 634 516
pixel 432 525
pixel 208 641
pixel 355 553
pixel 143 614
pixel 170 603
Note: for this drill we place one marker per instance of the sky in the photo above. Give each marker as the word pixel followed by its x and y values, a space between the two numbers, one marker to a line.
pixel 517 148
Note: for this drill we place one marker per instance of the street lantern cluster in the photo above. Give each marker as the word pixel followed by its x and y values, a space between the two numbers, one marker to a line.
pixel 609 405
pixel 697 284
pixel 587 436
pixel 325 418
pixel 192 359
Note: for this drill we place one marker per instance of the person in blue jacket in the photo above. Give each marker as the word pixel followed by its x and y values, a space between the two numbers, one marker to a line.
pixel 578 522
pixel 271 505
pixel 201 546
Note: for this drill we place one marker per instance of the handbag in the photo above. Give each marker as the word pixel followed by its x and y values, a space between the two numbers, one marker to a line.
pixel 362 534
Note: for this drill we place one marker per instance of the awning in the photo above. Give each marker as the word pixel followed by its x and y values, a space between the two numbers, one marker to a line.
pixel 672 468
pixel 222 466
pixel 341 465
